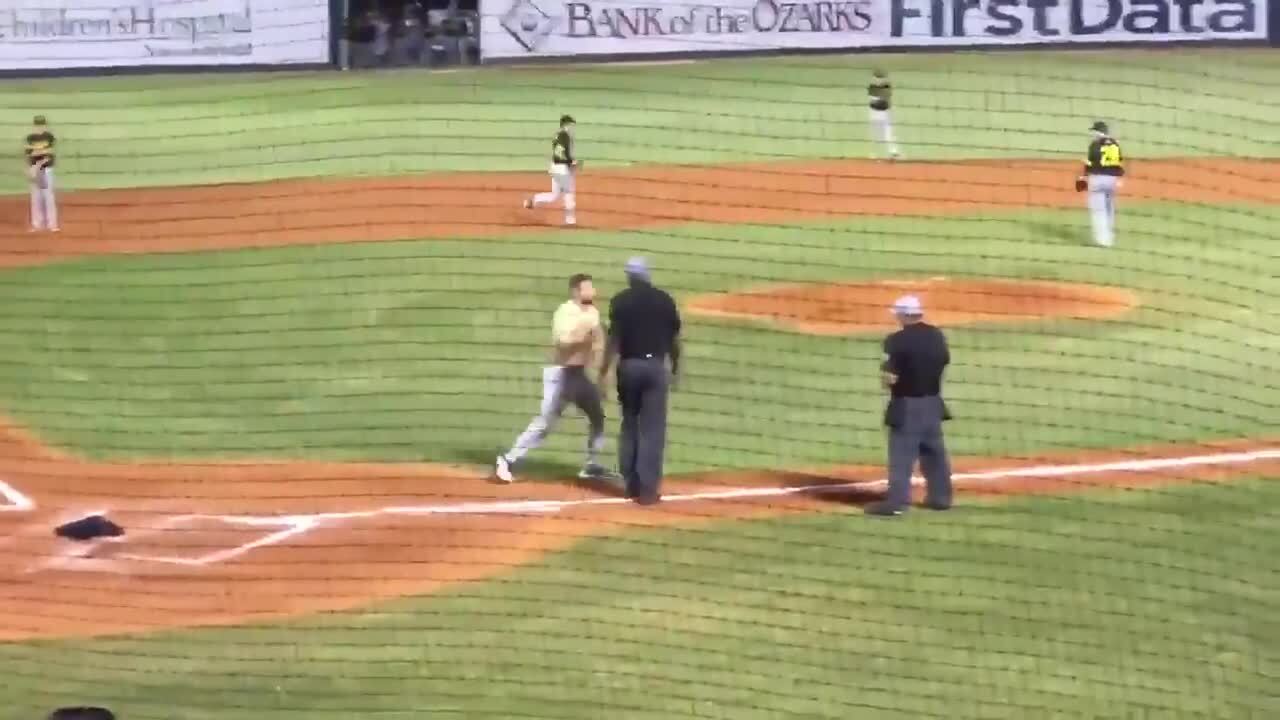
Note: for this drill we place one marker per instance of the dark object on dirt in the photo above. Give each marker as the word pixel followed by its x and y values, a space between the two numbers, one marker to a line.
pixel 82 713
pixel 88 528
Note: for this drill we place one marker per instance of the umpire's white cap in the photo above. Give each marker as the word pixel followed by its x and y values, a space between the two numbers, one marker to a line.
pixel 638 267
pixel 908 305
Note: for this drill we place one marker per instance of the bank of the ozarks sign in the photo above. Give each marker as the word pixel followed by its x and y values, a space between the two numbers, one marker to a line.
pixel 529 24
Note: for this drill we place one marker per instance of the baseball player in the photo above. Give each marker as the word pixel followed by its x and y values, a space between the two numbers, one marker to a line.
pixel 879 98
pixel 578 340
pixel 564 167
pixel 1103 168
pixel 40 161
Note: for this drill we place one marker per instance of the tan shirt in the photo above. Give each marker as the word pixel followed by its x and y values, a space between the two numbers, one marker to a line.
pixel 576 334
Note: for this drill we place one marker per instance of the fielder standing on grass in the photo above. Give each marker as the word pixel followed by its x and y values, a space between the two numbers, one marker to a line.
pixel 40 161
pixel 1103 168
pixel 914 360
pixel 879 99
pixel 578 341
pixel 563 171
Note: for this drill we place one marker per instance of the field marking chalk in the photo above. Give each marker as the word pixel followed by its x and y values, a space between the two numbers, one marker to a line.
pixel 15 500
pixel 295 525
pixel 291 526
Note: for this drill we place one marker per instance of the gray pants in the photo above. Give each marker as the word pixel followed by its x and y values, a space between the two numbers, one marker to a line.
pixel 642 391
pixel 1102 209
pixel 915 433
pixel 562 386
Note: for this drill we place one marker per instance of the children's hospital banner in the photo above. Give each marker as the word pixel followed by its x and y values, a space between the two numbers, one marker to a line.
pixel 512 29
pixel 57 34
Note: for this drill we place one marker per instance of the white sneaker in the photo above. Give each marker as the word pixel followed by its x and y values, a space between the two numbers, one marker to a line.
pixel 502 469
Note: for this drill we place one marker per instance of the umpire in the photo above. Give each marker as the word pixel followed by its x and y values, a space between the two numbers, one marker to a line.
pixel 644 334
pixel 914 360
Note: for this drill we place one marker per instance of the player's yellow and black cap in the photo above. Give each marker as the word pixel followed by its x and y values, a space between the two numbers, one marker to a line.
pixel 1099 126
pixel 567 120
pixel 39 120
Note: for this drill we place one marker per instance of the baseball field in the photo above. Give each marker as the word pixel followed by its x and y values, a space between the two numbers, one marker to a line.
pixel 292 317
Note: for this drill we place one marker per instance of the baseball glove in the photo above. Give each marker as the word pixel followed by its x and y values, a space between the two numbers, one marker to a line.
pixel 1082 184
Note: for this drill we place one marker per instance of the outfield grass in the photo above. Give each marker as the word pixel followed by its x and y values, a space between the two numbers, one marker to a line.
pixel 122 132
pixel 429 350
pixel 1142 604
pixel 1139 604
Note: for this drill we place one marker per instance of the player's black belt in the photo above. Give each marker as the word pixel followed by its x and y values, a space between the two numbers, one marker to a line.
pixel 646 356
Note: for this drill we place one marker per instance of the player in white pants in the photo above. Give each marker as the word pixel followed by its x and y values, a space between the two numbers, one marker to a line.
pixel 879 100
pixel 578 340
pixel 1103 170
pixel 564 168
pixel 40 161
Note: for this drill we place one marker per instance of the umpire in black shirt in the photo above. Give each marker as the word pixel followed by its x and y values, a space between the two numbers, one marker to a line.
pixel 914 360
pixel 644 334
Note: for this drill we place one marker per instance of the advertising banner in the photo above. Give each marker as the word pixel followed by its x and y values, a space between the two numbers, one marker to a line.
pixel 512 29
pixel 65 34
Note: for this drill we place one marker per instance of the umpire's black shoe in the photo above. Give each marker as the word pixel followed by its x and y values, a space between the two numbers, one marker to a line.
pixel 937 505
pixel 646 500
pixel 883 509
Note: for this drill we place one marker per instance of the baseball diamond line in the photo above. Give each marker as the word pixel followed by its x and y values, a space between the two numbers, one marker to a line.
pixel 17 501
pixel 299 524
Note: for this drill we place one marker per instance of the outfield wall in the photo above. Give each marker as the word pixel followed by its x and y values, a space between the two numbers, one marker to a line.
pixel 524 30
pixel 68 35
pixel 62 37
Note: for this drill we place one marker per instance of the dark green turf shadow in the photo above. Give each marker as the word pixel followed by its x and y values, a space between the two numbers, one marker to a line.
pixel 1056 231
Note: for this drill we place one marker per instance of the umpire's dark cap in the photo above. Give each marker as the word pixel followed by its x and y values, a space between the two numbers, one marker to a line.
pixel 567 120
pixel 1100 126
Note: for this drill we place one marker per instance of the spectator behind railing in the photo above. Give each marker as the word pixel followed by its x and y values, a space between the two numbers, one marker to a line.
pixel 419 32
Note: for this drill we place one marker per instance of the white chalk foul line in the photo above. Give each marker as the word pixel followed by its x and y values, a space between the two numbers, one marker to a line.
pixel 295 525
pixel 291 526
pixel 1033 471
pixel 550 506
pixel 15 501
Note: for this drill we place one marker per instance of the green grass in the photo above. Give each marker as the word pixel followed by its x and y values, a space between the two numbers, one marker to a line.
pixel 190 129
pixel 415 350
pixel 1153 604
pixel 1140 604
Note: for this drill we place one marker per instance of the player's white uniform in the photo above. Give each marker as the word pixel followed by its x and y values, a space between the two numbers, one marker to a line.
pixel 44 201
pixel 1103 168
pixel 561 171
pixel 881 122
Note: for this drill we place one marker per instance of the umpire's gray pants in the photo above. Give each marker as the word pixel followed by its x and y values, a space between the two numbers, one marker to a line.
pixel 915 433
pixel 643 385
